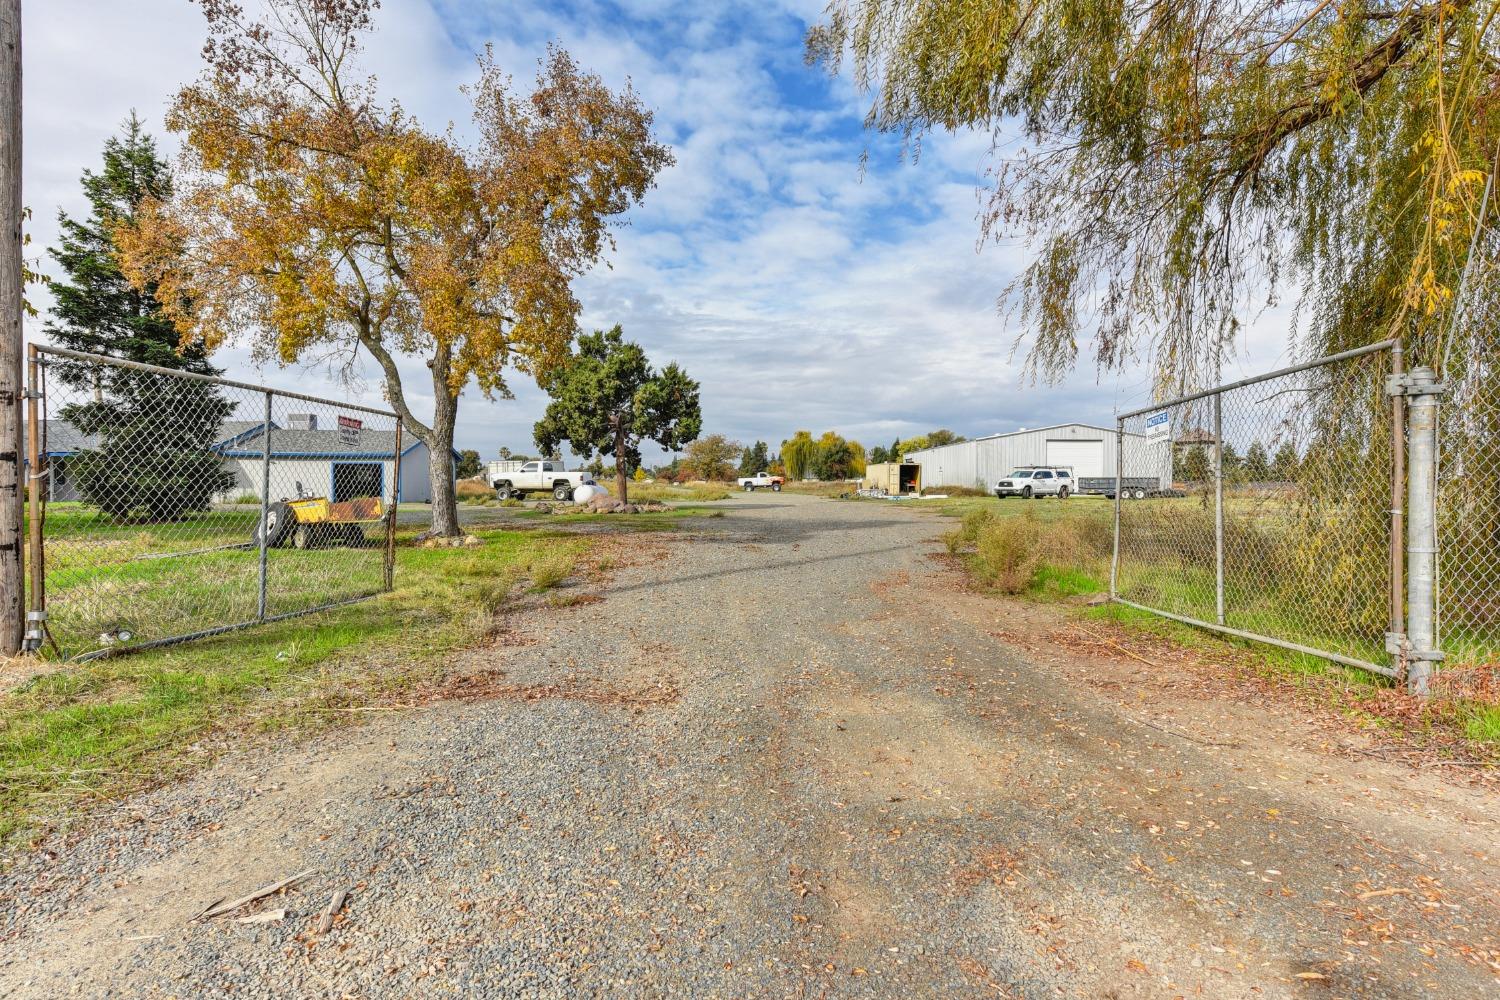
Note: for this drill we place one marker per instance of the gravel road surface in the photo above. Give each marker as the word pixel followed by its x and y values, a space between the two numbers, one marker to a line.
pixel 787 755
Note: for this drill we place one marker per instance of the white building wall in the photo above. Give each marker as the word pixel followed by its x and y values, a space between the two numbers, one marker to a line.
pixel 979 463
pixel 316 477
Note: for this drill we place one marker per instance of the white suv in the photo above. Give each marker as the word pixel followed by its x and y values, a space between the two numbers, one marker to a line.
pixel 1037 481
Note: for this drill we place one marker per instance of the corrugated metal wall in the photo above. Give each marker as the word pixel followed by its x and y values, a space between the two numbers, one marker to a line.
pixel 980 462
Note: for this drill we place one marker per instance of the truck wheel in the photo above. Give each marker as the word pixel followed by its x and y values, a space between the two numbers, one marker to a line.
pixel 1139 494
pixel 1026 493
pixel 562 492
pixel 775 487
pixel 503 492
pixel 1062 493
pixel 749 487
pixel 302 536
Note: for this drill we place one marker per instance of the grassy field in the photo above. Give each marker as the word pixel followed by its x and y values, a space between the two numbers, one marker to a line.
pixel 88 731
pixel 1051 549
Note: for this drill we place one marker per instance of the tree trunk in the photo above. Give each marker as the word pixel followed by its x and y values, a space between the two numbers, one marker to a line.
pixel 440 450
pixel 620 478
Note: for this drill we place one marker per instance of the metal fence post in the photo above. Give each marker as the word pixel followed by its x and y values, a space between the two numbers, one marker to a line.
pixel 1422 390
pixel 1219 507
pixel 265 506
pixel 390 523
pixel 1114 561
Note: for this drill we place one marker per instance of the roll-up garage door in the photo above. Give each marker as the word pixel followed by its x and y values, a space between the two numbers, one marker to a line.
pixel 1085 458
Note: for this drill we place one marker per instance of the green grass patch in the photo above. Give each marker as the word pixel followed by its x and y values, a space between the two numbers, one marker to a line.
pixel 102 728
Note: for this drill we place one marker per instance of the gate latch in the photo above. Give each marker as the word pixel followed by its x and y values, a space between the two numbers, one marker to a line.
pixel 1406 384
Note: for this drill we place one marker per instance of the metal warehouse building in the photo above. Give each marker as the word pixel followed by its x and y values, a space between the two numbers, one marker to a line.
pixel 1084 448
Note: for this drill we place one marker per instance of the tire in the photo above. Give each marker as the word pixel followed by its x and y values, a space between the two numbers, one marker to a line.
pixel 775 487
pixel 302 536
pixel 749 487
pixel 1026 493
pixel 1062 493
pixel 503 492
pixel 562 492
pixel 1139 494
pixel 279 522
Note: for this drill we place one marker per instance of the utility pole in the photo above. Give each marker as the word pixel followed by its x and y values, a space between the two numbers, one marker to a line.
pixel 12 472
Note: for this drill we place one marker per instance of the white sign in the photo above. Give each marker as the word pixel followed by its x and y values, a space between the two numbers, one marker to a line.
pixel 1158 427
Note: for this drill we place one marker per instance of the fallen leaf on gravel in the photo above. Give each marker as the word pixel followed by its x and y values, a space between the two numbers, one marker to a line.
pixel 1136 965
pixel 1311 975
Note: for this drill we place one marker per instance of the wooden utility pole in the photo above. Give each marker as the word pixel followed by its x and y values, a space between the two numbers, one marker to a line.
pixel 12 472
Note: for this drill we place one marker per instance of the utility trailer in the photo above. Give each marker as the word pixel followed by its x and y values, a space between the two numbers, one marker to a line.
pixel 1131 487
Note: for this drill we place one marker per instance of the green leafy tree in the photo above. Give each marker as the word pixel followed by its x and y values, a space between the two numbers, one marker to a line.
pixel 154 433
pixel 754 459
pixel 1177 152
pixel 938 438
pixel 798 454
pixel 712 458
pixel 608 398
pixel 468 464
pixel 835 458
pixel 879 454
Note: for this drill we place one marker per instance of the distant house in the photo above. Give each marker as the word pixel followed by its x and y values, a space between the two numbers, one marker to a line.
pixel 338 462
pixel 1193 437
pixel 60 442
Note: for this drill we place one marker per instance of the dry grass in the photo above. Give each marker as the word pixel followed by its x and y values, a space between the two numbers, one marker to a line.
pixel 467 489
pixel 549 569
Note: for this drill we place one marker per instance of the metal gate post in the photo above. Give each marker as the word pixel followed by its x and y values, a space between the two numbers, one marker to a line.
pixel 36 477
pixel 1114 559
pixel 1219 507
pixel 1422 390
pixel 265 506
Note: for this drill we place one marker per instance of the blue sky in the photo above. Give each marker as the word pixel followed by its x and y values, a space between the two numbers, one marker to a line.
pixel 803 291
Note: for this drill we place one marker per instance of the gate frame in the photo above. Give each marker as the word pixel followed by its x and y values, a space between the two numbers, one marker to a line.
pixel 36 615
pixel 1398 388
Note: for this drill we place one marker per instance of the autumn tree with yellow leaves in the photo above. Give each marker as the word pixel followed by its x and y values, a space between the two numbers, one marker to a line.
pixel 320 221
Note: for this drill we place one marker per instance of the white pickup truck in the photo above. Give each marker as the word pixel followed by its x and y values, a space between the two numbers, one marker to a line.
pixel 518 478
pixel 760 481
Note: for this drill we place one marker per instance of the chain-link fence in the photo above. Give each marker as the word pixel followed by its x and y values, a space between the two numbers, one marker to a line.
pixel 167 506
pixel 1276 519
pixel 1468 504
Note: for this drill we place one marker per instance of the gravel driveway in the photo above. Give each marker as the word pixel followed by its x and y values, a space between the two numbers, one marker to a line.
pixel 785 757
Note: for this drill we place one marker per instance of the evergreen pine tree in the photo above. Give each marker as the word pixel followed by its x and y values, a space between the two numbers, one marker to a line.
pixel 154 434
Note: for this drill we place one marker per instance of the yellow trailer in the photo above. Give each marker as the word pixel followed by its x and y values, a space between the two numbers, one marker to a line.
pixel 312 521
pixel 895 478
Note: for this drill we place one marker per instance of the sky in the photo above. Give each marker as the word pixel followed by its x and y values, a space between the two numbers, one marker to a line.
pixel 808 274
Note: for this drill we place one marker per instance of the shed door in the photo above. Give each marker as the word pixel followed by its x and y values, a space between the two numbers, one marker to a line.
pixel 353 480
pixel 1085 458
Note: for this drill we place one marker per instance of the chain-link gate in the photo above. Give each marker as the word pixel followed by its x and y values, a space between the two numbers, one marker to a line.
pixel 167 505
pixel 1468 505
pixel 1280 518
